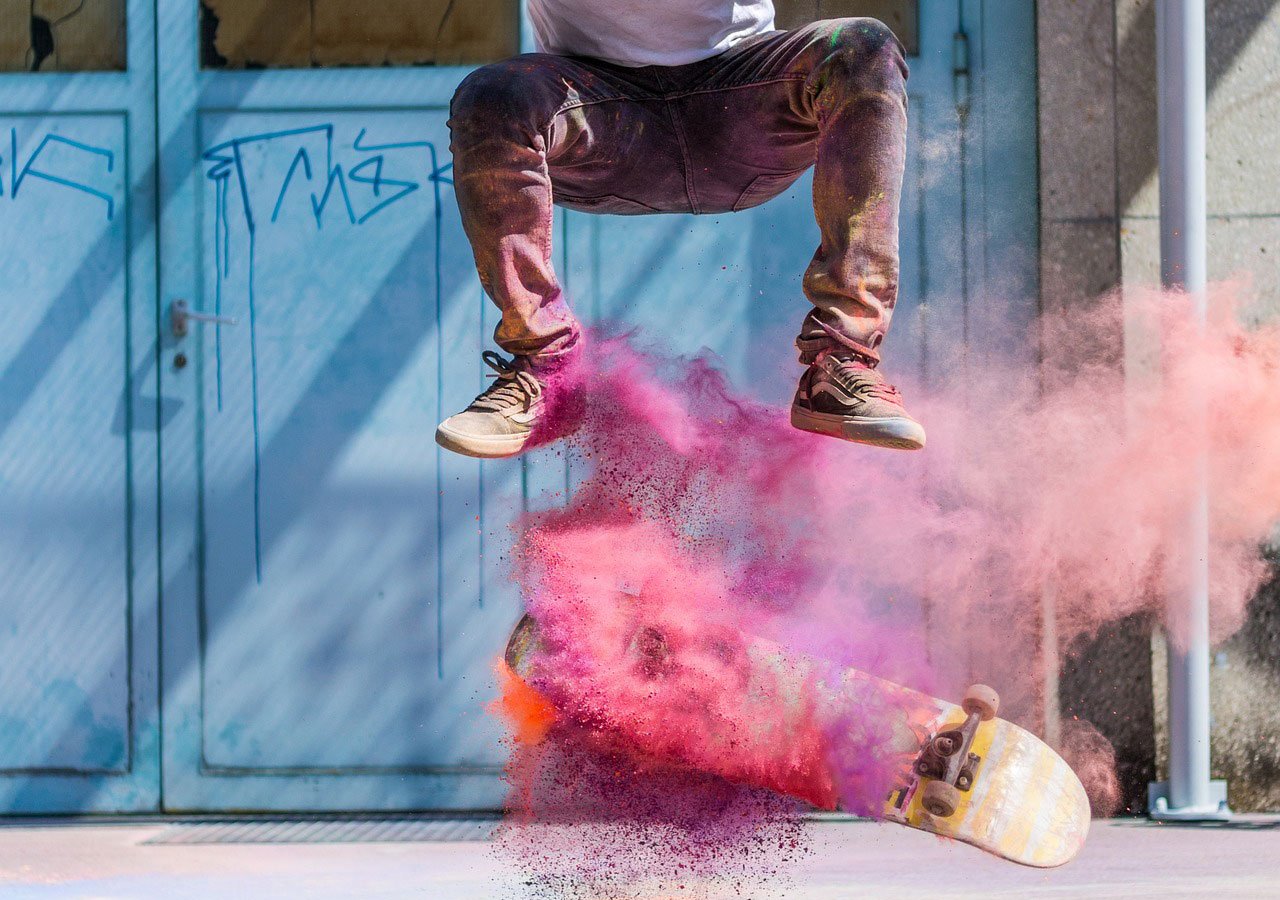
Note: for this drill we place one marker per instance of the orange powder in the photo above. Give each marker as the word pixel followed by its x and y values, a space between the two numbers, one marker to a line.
pixel 527 714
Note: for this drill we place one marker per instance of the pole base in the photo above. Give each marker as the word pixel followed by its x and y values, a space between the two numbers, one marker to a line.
pixel 1216 810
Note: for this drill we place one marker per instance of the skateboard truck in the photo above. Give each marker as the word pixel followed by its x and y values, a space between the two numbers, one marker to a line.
pixel 945 759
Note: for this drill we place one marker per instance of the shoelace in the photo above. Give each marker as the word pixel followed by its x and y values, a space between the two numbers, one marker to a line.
pixel 861 380
pixel 514 386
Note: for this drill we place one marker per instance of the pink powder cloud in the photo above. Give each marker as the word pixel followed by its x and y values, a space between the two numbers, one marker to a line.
pixel 710 525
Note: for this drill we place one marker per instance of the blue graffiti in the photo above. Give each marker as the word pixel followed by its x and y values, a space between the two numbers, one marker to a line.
pixel 370 172
pixel 366 188
pixel 19 174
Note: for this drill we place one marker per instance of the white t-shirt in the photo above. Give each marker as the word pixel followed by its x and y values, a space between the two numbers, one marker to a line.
pixel 647 32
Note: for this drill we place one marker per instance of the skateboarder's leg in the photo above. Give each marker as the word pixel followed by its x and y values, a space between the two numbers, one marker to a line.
pixel 527 133
pixel 832 95
pixel 858 92
pixel 539 129
pixel 858 95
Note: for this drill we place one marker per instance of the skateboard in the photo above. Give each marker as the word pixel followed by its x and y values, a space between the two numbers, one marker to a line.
pixel 963 773
pixel 984 781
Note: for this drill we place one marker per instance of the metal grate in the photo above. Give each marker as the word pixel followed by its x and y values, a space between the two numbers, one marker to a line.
pixel 326 831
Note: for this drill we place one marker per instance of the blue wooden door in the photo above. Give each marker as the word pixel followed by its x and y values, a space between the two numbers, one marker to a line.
pixel 78 419
pixel 330 617
pixel 334 590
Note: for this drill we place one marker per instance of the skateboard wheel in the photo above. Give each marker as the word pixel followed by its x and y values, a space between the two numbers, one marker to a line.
pixel 982 700
pixel 940 799
pixel 523 638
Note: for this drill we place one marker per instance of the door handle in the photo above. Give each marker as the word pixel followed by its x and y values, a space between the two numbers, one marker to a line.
pixel 181 316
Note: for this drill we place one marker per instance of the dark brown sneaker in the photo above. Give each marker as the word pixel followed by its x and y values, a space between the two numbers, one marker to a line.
pixel 499 422
pixel 840 395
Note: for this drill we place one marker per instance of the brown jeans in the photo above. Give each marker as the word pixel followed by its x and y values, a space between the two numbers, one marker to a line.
pixel 720 135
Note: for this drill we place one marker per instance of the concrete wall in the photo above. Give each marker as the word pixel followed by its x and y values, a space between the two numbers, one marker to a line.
pixel 1099 231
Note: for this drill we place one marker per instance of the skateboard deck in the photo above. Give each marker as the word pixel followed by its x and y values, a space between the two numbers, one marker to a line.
pixel 1025 803
pixel 963 773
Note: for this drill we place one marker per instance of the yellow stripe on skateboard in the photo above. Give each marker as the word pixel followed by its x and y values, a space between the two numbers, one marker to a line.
pixel 1014 841
pixel 1061 833
pixel 988 793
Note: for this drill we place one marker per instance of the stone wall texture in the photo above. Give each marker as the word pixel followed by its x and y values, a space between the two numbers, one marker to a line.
pixel 1099 233
pixel 62 35
pixel 900 15
pixel 305 33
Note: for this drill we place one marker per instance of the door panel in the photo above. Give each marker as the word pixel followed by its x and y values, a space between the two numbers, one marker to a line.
pixel 78 715
pixel 331 616
pixel 63 469
pixel 319 472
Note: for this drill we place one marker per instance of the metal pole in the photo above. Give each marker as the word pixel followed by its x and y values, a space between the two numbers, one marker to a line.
pixel 1180 61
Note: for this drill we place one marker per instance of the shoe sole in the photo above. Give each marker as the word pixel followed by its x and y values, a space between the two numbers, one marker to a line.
pixel 494 447
pixel 897 432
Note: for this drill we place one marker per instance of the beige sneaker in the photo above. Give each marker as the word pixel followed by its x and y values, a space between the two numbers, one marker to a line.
pixel 841 396
pixel 499 422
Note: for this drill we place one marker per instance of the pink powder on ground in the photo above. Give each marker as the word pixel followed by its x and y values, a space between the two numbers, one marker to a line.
pixel 707 520
pixel 598 822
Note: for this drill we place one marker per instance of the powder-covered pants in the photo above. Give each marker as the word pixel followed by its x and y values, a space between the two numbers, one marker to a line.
pixel 720 135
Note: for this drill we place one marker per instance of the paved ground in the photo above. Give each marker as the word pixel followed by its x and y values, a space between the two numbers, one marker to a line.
pixel 850 859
